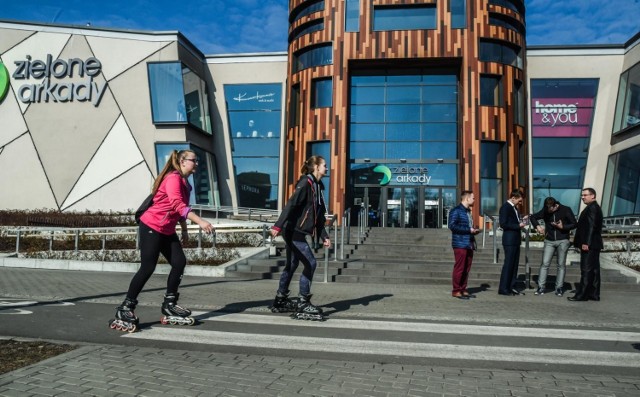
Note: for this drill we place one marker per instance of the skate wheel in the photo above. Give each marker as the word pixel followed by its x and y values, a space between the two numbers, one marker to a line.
pixel 164 321
pixel 172 322
pixel 112 324
pixel 191 321
pixel 132 328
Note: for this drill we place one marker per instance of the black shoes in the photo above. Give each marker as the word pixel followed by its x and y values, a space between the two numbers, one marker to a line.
pixel 577 298
pixel 516 292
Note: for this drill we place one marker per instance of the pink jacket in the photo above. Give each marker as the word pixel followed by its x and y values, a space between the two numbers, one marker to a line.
pixel 170 204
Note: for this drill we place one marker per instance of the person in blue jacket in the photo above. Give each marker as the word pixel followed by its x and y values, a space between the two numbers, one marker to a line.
pixel 463 242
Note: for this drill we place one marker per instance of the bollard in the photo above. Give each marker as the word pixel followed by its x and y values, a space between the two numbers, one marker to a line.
pixel 51 241
pixel 77 239
pixel 335 241
pixel 104 241
pixel 344 221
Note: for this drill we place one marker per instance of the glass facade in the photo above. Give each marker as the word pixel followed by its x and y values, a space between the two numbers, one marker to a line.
pixel 561 118
pixel 255 113
pixel 322 93
pixel 492 169
pixel 491 90
pixel 458 13
pixel 494 51
pixel 307 28
pixel 307 8
pixel 622 192
pixel 404 17
pixel 205 185
pixel 178 95
pixel 352 16
pixel 628 104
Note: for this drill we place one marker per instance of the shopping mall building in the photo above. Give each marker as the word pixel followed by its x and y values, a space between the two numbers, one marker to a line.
pixel 409 104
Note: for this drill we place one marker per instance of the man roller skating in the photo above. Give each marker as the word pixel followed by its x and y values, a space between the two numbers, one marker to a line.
pixel 303 216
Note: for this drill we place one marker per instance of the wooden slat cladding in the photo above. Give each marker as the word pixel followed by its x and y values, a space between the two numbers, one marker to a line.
pixel 443 46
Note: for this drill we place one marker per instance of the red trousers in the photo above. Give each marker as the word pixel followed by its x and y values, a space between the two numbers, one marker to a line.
pixel 461 268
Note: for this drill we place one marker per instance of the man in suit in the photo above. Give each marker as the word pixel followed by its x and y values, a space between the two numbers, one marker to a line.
pixel 588 240
pixel 511 222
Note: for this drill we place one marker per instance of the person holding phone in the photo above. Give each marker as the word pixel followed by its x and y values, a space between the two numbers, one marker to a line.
pixel 558 223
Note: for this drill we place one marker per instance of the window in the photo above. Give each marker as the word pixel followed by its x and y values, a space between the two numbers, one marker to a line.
pixel 518 103
pixel 513 5
pixel 352 16
pixel 458 13
pixel 490 90
pixel 492 51
pixel 294 106
pixel 310 57
pixel 404 17
pixel 204 181
pixel 178 95
pixel 491 177
pixel 628 104
pixel 255 112
pixel 561 117
pixel 505 22
pixel 307 8
pixel 307 28
pixel 622 185
pixel 322 93
pixel 167 94
pixel 406 114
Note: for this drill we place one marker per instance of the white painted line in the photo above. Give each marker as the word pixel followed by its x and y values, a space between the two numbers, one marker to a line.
pixel 461 329
pixel 388 348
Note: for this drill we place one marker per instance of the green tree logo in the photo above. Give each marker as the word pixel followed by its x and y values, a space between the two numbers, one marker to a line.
pixel 4 81
pixel 383 169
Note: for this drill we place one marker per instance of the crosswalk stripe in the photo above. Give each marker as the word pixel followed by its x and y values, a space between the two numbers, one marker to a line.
pixel 390 348
pixel 461 329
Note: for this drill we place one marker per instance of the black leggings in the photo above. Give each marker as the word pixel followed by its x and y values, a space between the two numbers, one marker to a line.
pixel 152 244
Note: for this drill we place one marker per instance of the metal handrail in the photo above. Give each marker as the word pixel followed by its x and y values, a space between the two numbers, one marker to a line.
pixel 260 213
pixel 494 228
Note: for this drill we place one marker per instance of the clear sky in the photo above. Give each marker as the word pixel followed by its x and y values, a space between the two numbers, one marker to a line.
pixel 235 26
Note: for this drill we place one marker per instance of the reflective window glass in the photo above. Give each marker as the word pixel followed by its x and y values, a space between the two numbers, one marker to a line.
pixel 322 93
pixel 490 90
pixel 403 94
pixel 628 106
pixel 439 150
pixel 440 94
pixel 310 57
pixel 352 16
pixel 440 113
pixel 255 124
pixel 167 93
pixel 403 132
pixel 370 150
pixel 402 113
pixel 404 17
pixel 196 100
pixel 560 147
pixel 307 8
pixel 402 150
pixel 251 147
pixel 367 95
pixel 458 13
pixel 440 131
pixel 307 28
pixel 367 114
pixel 357 81
pixel 367 132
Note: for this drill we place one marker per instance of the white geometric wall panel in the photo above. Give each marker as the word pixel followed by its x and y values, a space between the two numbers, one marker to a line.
pixel 117 154
pixel 126 192
pixel 24 183
pixel 11 37
pixel 122 54
pixel 38 46
pixel 12 123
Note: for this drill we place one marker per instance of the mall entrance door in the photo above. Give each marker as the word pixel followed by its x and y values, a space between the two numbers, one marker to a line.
pixel 405 206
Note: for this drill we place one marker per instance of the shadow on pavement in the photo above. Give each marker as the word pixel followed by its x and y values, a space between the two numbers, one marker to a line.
pixel 341 306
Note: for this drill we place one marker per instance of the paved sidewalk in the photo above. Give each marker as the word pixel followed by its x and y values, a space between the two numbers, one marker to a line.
pixel 122 371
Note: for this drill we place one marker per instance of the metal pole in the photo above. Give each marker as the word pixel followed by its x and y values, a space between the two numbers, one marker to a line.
pixel 51 241
pixel 348 226
pixel 104 241
pixel 199 238
pixel 344 220
pixel 18 241
pixel 484 229
pixel 495 246
pixel 77 238
pixel 326 264
pixel 527 267
pixel 335 238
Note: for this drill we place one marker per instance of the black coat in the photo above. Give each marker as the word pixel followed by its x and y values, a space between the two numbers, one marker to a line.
pixel 552 233
pixel 511 232
pixel 305 211
pixel 589 229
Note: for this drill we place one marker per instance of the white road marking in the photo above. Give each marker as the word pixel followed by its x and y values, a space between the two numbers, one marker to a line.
pixel 390 348
pixel 461 329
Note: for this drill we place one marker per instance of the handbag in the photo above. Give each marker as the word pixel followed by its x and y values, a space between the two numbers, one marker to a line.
pixel 146 204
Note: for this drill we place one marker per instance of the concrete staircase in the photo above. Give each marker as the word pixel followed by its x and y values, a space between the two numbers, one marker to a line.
pixel 420 256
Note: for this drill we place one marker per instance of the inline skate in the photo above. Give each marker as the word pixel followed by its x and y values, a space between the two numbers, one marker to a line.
pixel 174 314
pixel 307 310
pixel 283 304
pixel 126 319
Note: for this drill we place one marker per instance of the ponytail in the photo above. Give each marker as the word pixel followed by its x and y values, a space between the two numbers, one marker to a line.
pixel 307 167
pixel 173 164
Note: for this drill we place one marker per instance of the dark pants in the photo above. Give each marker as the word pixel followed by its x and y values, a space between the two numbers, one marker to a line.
pixel 152 244
pixel 461 268
pixel 297 251
pixel 589 275
pixel 509 268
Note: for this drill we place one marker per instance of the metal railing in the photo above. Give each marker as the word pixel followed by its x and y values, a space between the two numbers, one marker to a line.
pixel 104 232
pixel 252 214
pixel 493 219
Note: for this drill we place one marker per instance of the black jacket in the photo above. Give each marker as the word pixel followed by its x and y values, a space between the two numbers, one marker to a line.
pixel 589 229
pixel 552 233
pixel 305 211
